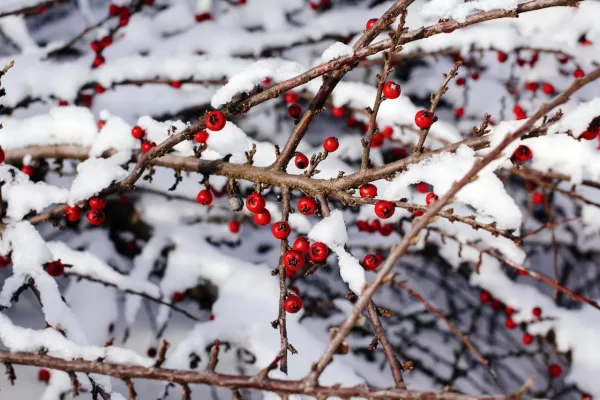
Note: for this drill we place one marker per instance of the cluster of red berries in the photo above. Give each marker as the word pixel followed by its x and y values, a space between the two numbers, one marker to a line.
pixel 256 204
pixel 123 13
pixel 97 47
pixel 533 86
pixel 294 258
pixel 139 133
pixel 95 215
pixel 374 226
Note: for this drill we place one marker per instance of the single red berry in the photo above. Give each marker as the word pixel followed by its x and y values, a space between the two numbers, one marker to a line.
pixel 175 84
pixel 586 396
pixel 338 112
pixel 318 252
pixel 178 297
pixel 563 59
pixel 215 120
pixel 137 132
pixel 113 9
pixel 589 134
pixel 234 226
pixel 377 140
pixel 307 206
pixel 521 62
pixel 431 197
pixel 95 216
pixel 4 261
pixel 422 187
pixel 387 132
pixel 384 209
pixel 578 73
pixel 293 260
pixel 294 110
pixel 2 155
pixel 262 217
pixel 351 122
pixel 295 290
pixel 63 103
pixel 201 137
pixel 267 81
pixel 531 86
pixel 98 61
pixel 371 262
pixel 523 154
pixel 386 230
pixel 301 161
pixel 151 352
pixel 510 323
pixel 43 375
pixel 281 230
pixel 399 152
pixel 331 144
pixel 460 81
pixel 475 76
pixel 368 190
pixel 27 170
pixel 204 197
pixel 289 273
pixel 417 213
pixel 301 244
pixel 537 198
pixel 99 89
pixel 293 304
pixel 517 109
pixel 537 312
pixel 96 46
pixel 255 203
pixel 55 268
pixel 370 23
pixel 201 17
pixel 97 202
pixel 527 339
pixel 374 225
pixel 509 310
pixel 484 296
pixel 73 213
pixel 147 146
pixel 496 304
pixel 362 226
pixel 106 41
pixel 554 370
pixel 502 57
pixel 424 119
pixel 391 90
pixel 547 88
pixel 124 20
pixel 291 98
pixel 459 112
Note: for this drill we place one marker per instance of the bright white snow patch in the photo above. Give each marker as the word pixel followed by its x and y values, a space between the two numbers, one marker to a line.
pixel 337 50
pixel 96 174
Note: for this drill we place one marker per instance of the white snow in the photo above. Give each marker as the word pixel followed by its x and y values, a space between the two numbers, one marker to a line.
pixel 337 50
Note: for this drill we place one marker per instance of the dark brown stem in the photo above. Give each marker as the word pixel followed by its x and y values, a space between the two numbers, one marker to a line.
pixel 387 347
pixel 285 212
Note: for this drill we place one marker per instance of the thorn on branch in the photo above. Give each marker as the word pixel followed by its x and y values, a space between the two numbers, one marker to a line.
pixel 162 352
pixel 132 392
pixel 187 393
pixel 10 373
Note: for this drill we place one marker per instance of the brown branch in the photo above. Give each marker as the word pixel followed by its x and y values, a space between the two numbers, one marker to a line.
pixel 387 347
pixel 224 380
pixel 35 9
pixel 281 317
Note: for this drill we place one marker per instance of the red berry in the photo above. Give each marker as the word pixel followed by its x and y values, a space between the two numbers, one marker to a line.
pixel 178 297
pixel 201 137
pixel 281 230
pixel 578 73
pixel 291 98
pixel 384 209
pixel 4 261
pixel 175 84
pixel 475 76
pixel 331 144
pixel 459 112
pixel 531 86
pixel 431 197
pixel 417 213
pixel 294 110
pixel 202 17
pixel 255 203
pixel 547 88
pixel 484 296
pixel 368 191
pixel 391 90
pixel 293 260
pixel 554 370
pixel 99 89
pixel 27 170
pixel 124 20
pixel 262 217
pixel 371 262
pixel 375 225
pixel 137 132
pixel 2 155
pixel 537 312
pixel 295 290
pixel 98 60
pixel 589 134
pixel 97 202
pixel 496 304
pixel 292 304
pixel 147 146
pixel 377 140
pixel 307 206
pixel 399 152
pixel 371 22
pixel 43 375
pixel 386 230
pixel 55 268
pixel 215 120
pixel 318 252
pixel 424 119
pixel 460 81
pixel 351 122
pixel 73 213
pixel 422 187
pixel 338 112
pixel 362 226
pixel 502 57
pixel 537 198
pixel 289 273
pixel 520 62
pixel 523 154
pixel 510 323
pixel 234 226
pixel 387 132
pixel 151 352
pixel 586 396
pixel 204 197
pixel 301 244
pixel 509 311
pixel 267 81
pixel 301 161
pixel 106 41
pixel 527 339
pixel 95 216
pixel 113 9
pixel 563 59
pixel 62 103
pixel 96 46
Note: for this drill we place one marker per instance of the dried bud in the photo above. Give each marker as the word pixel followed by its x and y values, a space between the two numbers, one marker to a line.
pixel 235 203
